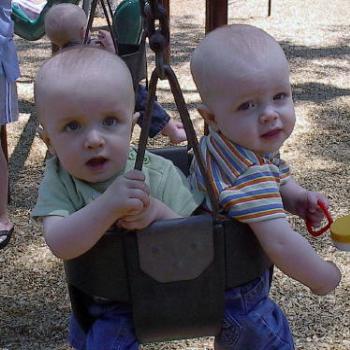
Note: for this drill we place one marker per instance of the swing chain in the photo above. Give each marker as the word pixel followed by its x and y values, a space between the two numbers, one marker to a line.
pixel 157 27
pixel 159 40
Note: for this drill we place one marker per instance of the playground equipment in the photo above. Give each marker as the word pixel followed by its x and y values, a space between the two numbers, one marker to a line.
pixel 174 272
pixel 33 29
pixel 127 15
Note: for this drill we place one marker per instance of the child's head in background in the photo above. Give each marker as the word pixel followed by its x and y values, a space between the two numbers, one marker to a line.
pixel 65 24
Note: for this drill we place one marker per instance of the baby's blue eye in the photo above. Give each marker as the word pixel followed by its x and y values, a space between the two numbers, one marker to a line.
pixel 246 105
pixel 110 121
pixel 280 96
pixel 72 126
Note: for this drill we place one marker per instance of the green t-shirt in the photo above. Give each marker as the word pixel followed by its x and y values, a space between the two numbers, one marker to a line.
pixel 60 194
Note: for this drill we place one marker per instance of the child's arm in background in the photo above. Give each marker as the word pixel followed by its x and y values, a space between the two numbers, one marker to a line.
pixel 299 201
pixel 295 257
pixel 71 236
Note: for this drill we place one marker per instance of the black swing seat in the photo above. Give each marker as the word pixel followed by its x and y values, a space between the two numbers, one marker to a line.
pixel 174 273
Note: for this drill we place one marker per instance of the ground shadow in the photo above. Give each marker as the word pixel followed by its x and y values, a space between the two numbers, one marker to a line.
pixel 317 92
pixel 24 144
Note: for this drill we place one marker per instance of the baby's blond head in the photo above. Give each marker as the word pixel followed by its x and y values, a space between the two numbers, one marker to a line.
pixel 231 52
pixel 65 23
pixel 85 102
pixel 81 72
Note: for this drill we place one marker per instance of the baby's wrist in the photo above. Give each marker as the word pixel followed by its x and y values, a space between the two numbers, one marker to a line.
pixel 334 273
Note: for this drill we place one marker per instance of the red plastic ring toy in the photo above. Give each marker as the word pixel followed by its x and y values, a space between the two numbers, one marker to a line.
pixel 322 230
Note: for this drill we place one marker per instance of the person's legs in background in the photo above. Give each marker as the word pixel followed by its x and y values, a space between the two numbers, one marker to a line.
pixel 8 113
pixel 6 226
pixel 161 121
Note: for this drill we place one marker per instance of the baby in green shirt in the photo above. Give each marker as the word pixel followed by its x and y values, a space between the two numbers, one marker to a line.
pixel 86 114
pixel 85 102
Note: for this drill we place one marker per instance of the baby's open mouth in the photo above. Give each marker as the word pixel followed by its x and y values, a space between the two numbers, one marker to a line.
pixel 96 162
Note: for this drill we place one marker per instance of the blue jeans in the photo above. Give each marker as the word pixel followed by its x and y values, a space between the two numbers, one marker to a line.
pixel 112 330
pixel 252 321
pixel 159 116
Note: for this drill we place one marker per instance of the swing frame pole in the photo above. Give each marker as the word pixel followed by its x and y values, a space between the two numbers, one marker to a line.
pixel 216 14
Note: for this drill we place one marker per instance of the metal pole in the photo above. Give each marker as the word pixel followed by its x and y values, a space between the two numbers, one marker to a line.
pixel 216 14
pixel 166 4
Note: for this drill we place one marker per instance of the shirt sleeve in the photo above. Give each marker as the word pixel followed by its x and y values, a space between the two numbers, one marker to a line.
pixel 53 198
pixel 284 171
pixel 255 196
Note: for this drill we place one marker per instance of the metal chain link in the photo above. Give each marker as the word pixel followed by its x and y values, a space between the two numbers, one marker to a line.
pixel 157 30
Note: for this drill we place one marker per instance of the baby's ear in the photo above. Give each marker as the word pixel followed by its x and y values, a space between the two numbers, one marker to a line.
pixel 208 116
pixel 82 33
pixel 135 118
pixel 44 137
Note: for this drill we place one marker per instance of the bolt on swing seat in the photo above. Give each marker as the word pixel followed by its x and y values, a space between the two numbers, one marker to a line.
pixel 33 29
pixel 174 273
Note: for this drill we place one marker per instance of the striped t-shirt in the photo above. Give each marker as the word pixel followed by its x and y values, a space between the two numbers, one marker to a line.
pixel 246 184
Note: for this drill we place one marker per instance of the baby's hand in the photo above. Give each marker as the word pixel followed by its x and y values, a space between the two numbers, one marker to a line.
pixel 333 277
pixel 128 194
pixel 143 218
pixel 309 210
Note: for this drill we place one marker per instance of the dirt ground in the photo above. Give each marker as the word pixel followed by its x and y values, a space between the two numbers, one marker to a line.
pixel 34 306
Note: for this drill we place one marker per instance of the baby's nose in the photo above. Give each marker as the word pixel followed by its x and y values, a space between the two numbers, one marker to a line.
pixel 94 139
pixel 268 115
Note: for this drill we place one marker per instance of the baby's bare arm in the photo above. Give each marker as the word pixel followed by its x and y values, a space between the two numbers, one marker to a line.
pixel 292 193
pixel 294 256
pixel 71 236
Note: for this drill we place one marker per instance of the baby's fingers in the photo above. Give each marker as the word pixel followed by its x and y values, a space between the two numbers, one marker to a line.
pixel 315 218
pixel 135 175
pixel 136 204
pixel 313 200
pixel 140 194
pixel 136 180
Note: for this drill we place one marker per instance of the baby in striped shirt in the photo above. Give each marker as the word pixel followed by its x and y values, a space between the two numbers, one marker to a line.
pixel 242 76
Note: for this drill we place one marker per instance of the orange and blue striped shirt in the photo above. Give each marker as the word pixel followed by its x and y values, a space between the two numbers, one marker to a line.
pixel 247 185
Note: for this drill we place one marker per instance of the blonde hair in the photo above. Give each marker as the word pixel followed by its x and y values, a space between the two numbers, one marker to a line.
pixel 230 51
pixel 65 23
pixel 72 68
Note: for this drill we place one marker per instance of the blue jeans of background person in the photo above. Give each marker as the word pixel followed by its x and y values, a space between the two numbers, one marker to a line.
pixel 159 116
pixel 252 321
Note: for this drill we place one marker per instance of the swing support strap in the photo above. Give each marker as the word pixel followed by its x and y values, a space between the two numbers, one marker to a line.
pixel 159 41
